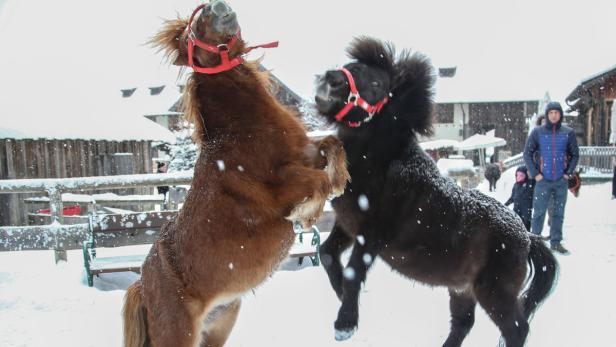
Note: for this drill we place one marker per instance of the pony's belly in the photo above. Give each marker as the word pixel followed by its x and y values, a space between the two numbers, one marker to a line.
pixel 427 267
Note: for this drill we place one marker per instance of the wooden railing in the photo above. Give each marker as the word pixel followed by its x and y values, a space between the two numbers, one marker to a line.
pixel 57 235
pixel 595 157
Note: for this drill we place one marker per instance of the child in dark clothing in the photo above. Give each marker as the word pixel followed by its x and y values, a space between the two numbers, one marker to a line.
pixel 522 196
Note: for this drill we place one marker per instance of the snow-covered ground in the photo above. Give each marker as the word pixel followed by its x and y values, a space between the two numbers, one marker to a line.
pixel 42 304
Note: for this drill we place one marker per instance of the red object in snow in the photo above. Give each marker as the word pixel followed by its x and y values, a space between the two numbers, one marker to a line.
pixel 70 210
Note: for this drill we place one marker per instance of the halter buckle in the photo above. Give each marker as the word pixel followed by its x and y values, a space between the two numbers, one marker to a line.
pixel 353 98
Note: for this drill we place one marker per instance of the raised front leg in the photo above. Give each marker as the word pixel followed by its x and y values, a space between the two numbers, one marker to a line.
pixel 330 252
pixel 332 157
pixel 302 193
pixel 362 257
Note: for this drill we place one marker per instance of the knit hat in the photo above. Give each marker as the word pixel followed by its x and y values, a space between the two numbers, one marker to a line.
pixel 553 105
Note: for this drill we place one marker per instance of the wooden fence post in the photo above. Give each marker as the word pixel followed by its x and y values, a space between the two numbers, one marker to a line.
pixel 57 217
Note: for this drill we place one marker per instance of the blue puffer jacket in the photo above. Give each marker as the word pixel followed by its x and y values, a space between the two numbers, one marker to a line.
pixel 551 150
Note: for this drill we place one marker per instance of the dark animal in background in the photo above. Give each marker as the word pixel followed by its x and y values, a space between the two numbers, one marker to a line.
pixel 492 174
pixel 257 171
pixel 398 207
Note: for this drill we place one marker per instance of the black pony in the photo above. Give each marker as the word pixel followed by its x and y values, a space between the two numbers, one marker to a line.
pixel 399 207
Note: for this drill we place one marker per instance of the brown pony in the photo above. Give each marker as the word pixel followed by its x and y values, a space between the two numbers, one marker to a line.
pixel 256 172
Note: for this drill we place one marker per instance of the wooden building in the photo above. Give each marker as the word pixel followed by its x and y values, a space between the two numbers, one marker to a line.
pixel 469 104
pixel 593 99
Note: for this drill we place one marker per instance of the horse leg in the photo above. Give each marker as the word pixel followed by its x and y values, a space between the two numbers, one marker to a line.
pixel 462 307
pixel 331 149
pixel 171 322
pixel 330 252
pixel 303 192
pixel 505 311
pixel 353 275
pixel 218 328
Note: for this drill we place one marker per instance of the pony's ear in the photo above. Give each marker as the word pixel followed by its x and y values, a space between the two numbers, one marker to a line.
pixel 372 52
pixel 172 41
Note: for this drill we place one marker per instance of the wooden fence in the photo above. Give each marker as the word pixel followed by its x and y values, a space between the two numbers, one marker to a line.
pixel 46 158
pixel 57 235
pixel 597 158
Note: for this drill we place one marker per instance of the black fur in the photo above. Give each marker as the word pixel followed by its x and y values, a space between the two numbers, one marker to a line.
pixel 422 224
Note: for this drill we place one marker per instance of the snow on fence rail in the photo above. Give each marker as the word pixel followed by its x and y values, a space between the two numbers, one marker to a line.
pixel 61 237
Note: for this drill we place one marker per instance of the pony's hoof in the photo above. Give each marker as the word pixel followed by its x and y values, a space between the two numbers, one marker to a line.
pixel 342 335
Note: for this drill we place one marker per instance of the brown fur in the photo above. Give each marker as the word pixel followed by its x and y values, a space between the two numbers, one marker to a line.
pixel 232 231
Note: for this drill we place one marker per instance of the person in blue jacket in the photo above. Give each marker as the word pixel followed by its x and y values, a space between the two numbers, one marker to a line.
pixel 522 195
pixel 551 155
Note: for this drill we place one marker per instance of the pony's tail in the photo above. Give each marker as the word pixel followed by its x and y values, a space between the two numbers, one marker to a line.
pixel 544 269
pixel 135 333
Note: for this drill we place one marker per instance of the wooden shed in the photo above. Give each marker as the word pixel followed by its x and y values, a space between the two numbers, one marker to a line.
pixel 594 99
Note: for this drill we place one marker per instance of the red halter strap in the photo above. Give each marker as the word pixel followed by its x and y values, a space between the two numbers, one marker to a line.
pixel 355 99
pixel 222 49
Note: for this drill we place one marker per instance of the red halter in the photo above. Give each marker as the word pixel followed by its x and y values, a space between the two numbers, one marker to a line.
pixel 355 99
pixel 222 49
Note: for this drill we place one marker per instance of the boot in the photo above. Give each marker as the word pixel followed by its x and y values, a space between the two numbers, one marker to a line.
pixel 557 247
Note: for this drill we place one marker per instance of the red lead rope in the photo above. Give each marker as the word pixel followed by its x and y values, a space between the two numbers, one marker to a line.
pixel 222 49
pixel 355 99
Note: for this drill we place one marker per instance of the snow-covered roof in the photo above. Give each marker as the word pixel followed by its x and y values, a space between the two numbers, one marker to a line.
pixel 479 141
pixel 142 102
pixel 591 80
pixel 96 119
pixel 437 144
pixel 482 86
pixel 476 141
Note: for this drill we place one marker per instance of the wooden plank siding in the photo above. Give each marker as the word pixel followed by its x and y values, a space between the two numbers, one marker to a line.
pixel 51 158
pixel 507 118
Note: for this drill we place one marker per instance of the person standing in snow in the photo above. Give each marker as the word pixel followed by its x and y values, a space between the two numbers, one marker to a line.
pixel 555 145
pixel 541 120
pixel 162 168
pixel 522 196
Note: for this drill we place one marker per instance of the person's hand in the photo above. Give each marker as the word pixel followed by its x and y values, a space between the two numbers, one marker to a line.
pixel 539 177
pixel 566 177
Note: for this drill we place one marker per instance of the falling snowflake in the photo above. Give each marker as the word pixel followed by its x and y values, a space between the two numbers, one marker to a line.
pixel 349 273
pixel 240 168
pixel 364 205
pixel 361 240
pixel 230 266
pixel 221 165
pixel 367 258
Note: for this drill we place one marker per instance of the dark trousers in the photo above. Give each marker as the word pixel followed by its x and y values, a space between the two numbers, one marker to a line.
pixel 544 191
pixel 614 183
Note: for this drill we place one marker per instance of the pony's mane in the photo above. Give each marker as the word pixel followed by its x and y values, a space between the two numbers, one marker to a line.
pixel 412 81
pixel 373 52
pixel 167 40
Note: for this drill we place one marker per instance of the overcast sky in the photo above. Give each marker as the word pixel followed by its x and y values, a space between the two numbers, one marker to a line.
pixel 52 52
